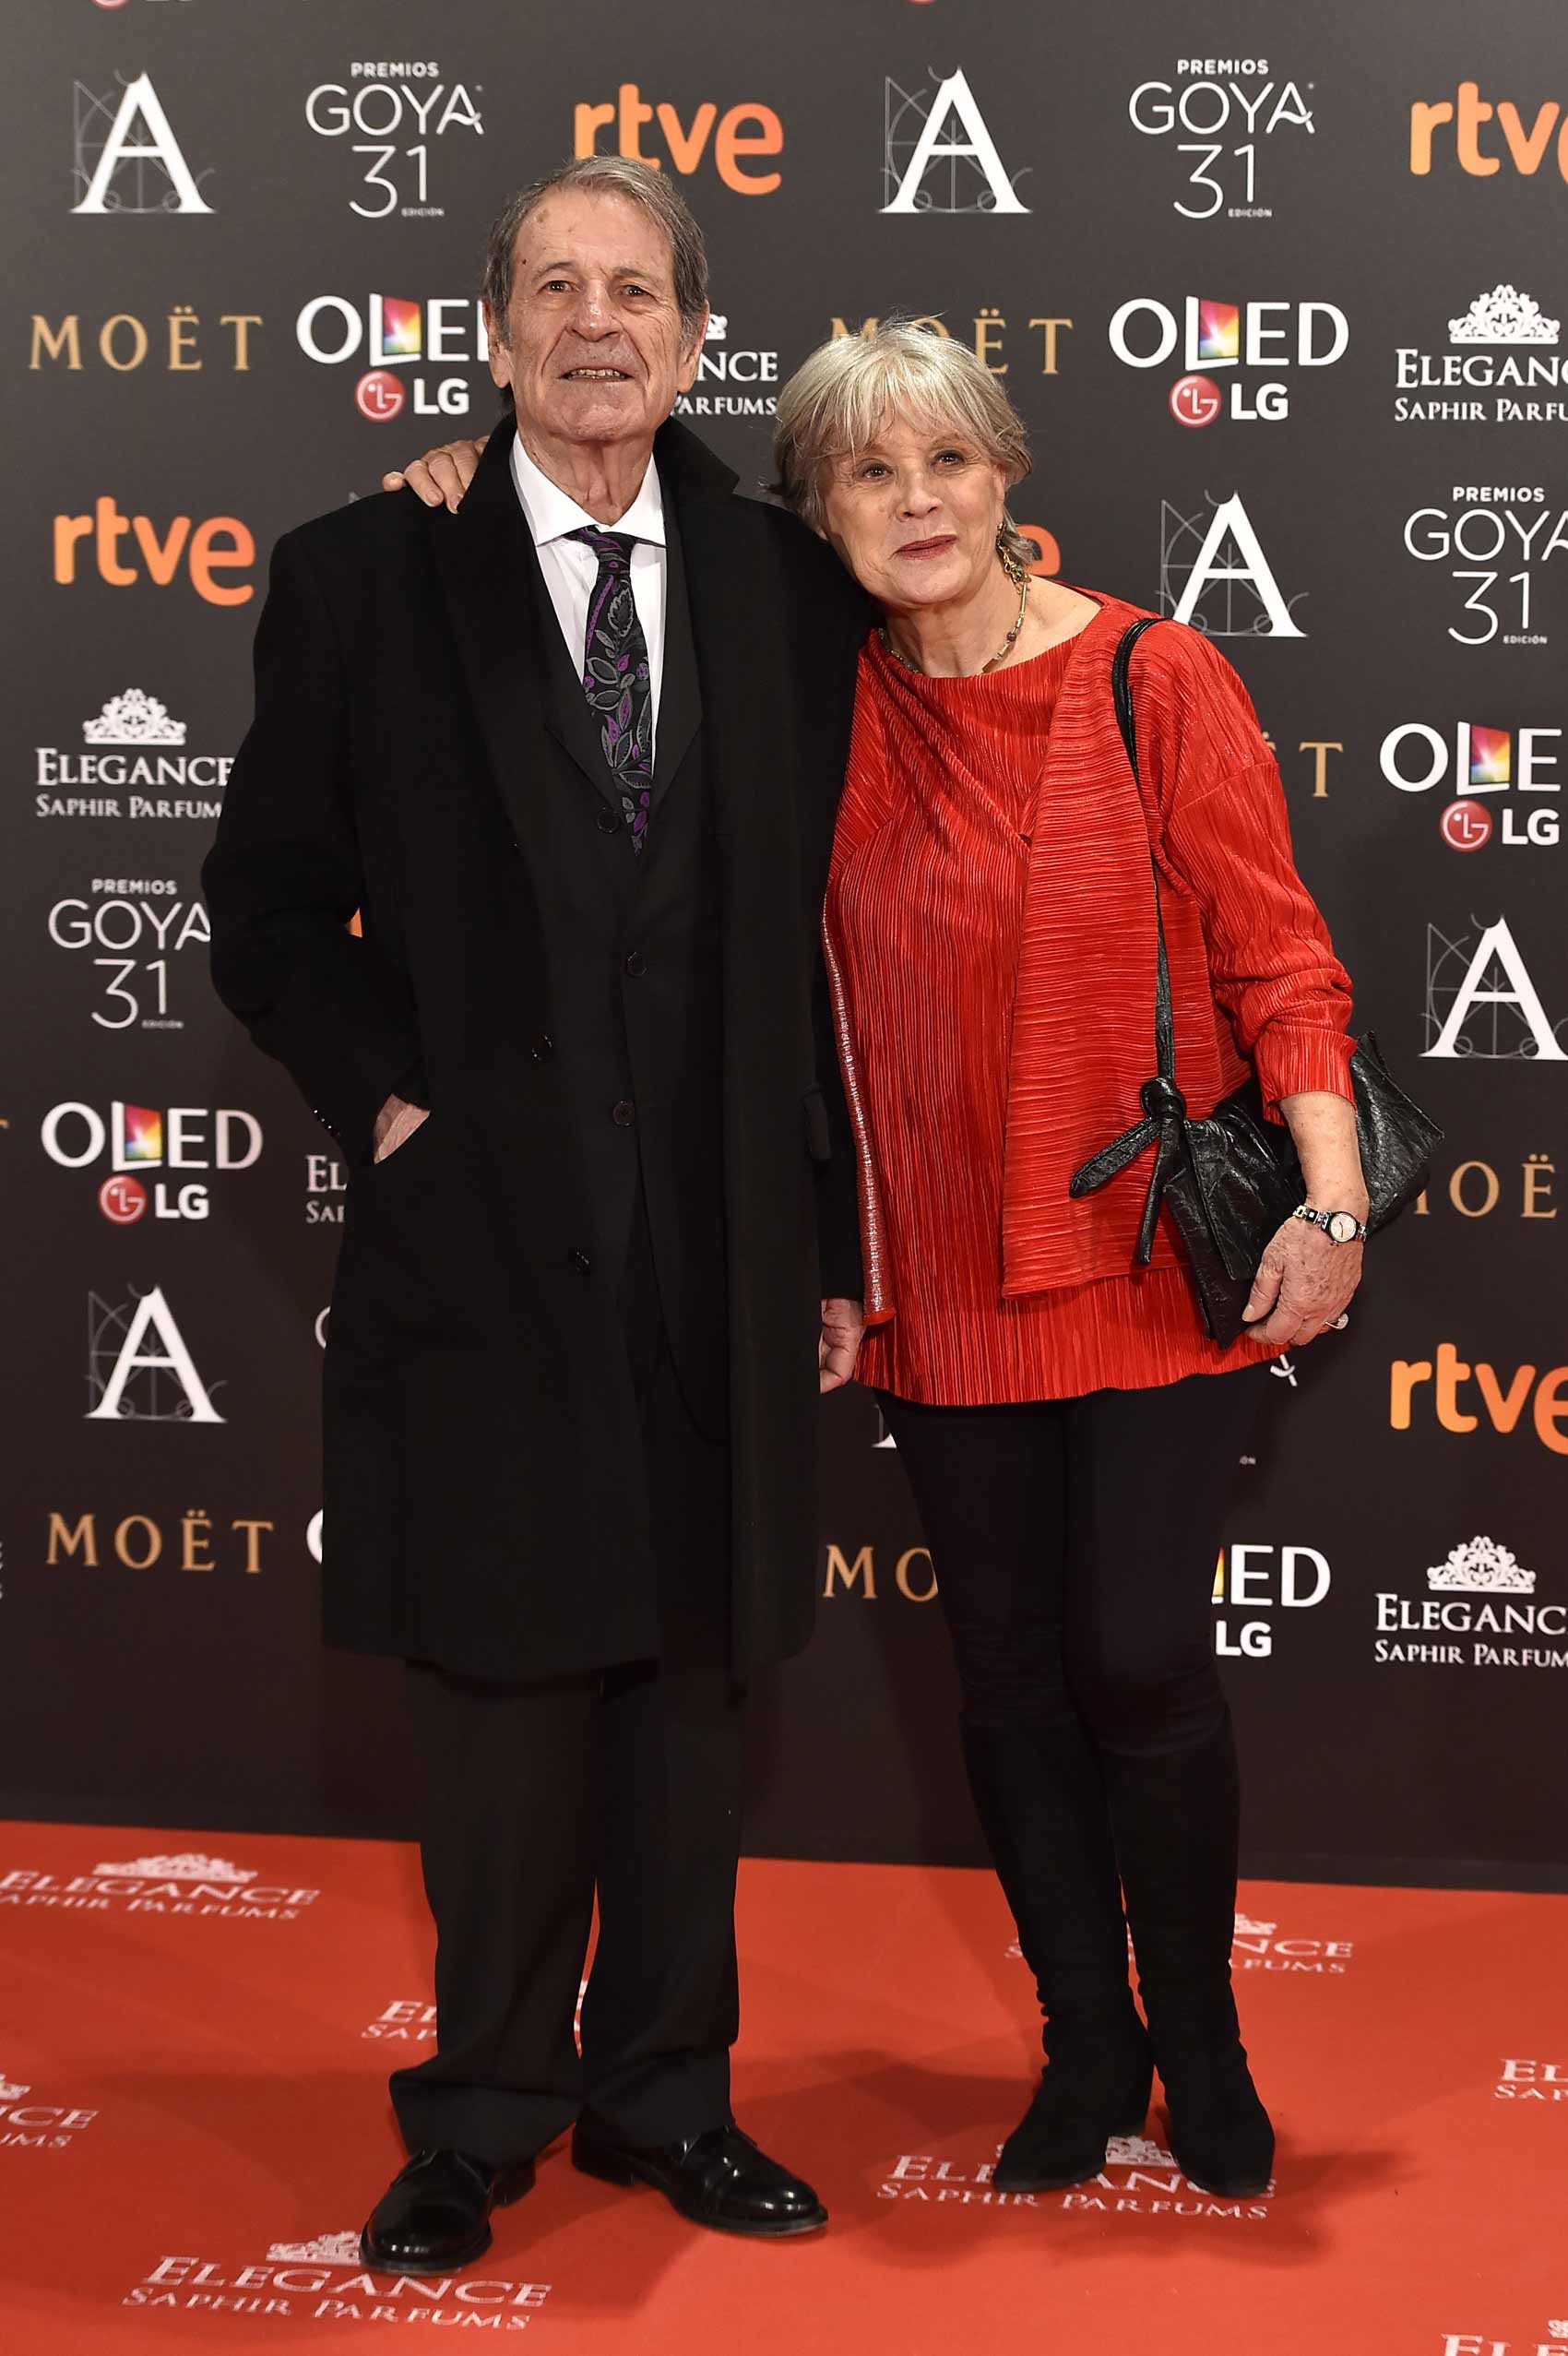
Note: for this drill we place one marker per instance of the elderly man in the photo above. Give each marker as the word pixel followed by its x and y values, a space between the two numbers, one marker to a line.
pixel 571 753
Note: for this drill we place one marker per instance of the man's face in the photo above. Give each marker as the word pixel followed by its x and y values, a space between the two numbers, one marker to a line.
pixel 592 345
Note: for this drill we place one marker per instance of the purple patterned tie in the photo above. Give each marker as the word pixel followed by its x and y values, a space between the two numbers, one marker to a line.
pixel 616 677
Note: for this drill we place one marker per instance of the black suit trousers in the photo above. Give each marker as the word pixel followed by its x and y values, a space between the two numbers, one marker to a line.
pixel 624 1783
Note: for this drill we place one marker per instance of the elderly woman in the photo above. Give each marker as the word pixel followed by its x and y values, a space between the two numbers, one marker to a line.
pixel 992 946
pixel 1069 1430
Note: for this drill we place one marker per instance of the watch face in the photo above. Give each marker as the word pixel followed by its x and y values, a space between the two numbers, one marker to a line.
pixel 1342 1228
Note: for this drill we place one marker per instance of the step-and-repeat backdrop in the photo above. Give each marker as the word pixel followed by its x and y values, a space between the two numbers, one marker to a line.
pixel 1279 293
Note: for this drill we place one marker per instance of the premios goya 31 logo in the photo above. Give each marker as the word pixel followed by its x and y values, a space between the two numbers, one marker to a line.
pixel 391 119
pixel 1222 118
pixel 1500 537
pixel 129 933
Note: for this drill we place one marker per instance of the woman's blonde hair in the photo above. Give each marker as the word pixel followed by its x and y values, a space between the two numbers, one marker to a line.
pixel 842 393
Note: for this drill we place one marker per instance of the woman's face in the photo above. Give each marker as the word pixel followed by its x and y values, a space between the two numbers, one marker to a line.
pixel 914 514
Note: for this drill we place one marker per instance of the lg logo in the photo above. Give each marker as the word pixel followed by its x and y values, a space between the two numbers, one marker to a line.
pixel 1479 761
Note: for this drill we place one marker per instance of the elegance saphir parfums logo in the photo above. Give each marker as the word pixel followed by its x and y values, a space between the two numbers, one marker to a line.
pixel 187 1883
pixel 321 2279
pixel 1503 367
pixel 1480 1611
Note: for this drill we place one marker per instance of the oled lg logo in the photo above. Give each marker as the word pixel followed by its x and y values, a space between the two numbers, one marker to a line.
pixel 141 1140
pixel 1252 1583
pixel 1261 335
pixel 397 337
pixel 1477 764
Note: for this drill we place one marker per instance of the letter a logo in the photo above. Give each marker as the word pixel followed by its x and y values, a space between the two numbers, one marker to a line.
pixel 1498 1039
pixel 140 109
pixel 1247 571
pixel 124 1346
pixel 975 180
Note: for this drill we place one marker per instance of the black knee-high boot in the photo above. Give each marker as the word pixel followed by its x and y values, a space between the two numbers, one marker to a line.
pixel 1175 1820
pixel 1041 1805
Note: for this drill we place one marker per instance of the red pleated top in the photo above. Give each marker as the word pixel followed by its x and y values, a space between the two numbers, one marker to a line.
pixel 936 872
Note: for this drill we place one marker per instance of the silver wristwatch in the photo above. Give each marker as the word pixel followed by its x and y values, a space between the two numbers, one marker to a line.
pixel 1339 1226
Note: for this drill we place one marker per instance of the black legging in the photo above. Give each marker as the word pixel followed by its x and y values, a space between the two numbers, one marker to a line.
pixel 1074 1542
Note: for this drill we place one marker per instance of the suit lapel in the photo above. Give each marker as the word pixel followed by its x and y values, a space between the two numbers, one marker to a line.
pixel 490 578
pixel 680 694
pixel 567 713
pixel 518 671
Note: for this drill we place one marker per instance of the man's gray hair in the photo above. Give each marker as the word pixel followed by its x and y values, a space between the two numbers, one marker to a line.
pixel 609 175
pixel 843 393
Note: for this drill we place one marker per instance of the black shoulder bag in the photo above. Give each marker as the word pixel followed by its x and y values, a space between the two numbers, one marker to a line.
pixel 1233 1179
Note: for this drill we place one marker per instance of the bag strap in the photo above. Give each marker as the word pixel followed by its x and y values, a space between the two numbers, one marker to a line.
pixel 1121 696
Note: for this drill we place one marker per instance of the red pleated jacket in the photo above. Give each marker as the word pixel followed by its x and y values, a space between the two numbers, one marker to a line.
pixel 1254 976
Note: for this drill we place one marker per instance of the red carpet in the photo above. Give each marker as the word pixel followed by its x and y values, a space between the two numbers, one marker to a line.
pixel 192 2119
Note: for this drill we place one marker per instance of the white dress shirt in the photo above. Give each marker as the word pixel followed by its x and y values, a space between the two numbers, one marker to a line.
pixel 570 568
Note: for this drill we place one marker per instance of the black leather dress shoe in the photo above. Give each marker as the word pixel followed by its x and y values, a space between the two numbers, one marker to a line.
pixel 718 2179
pixel 434 2215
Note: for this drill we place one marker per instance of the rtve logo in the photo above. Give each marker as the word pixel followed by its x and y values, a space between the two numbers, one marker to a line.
pixel 220 543
pixel 1502 1400
pixel 730 134
pixel 1526 149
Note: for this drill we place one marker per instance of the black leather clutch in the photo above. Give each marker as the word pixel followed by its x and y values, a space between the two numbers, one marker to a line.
pixel 1230 1179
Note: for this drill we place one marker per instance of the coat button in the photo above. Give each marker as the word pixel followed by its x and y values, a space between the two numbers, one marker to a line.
pixel 580 1261
pixel 607 822
pixel 542 1048
pixel 624 1113
pixel 637 964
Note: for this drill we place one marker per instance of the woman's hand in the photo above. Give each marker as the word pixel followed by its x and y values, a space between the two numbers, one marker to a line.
pixel 1303 1284
pixel 442 476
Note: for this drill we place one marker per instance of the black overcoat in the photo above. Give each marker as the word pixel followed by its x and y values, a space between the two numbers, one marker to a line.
pixel 484 1505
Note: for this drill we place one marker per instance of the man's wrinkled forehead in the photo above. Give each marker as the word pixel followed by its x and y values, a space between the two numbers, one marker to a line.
pixel 606 235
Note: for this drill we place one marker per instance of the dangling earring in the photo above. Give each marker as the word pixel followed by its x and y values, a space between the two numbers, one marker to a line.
pixel 1011 563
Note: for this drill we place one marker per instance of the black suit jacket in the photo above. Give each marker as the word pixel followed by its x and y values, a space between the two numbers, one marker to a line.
pixel 480 1508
